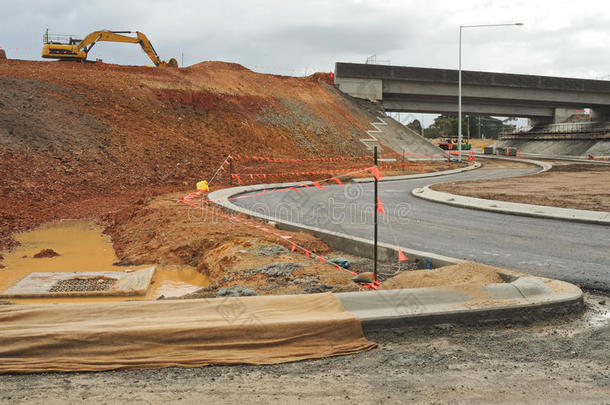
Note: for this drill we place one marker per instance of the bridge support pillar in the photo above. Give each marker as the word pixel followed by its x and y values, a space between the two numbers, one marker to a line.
pixel 600 114
pixel 562 114
pixel 539 121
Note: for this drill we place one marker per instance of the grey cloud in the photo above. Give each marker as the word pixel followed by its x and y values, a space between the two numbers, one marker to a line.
pixel 558 38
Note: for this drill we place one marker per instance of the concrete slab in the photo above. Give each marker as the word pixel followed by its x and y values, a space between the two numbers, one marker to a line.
pixel 395 135
pixel 134 283
pixel 531 286
pixel 81 284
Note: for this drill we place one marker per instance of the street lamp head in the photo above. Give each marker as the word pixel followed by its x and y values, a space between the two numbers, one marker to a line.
pixel 518 23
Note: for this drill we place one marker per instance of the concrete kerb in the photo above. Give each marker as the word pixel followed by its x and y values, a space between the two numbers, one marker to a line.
pixel 391 308
pixel 544 166
pixel 504 207
pixel 521 296
pixel 473 166
pixel 568 158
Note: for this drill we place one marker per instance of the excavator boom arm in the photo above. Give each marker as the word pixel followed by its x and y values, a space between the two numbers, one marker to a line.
pixel 148 48
pixel 110 36
pixel 117 36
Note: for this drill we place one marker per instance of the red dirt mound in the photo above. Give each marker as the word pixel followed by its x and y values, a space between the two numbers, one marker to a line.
pixel 218 65
pixel 321 77
pixel 82 139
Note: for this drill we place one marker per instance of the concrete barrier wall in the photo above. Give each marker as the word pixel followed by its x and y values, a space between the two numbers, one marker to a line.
pixel 558 147
pixel 506 151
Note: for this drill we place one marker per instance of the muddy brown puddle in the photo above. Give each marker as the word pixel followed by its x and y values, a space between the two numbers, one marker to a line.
pixel 82 247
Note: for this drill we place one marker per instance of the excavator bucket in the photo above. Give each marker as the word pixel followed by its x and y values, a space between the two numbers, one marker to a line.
pixel 170 63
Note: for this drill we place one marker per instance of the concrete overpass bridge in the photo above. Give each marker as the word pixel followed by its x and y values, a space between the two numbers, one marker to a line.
pixel 545 99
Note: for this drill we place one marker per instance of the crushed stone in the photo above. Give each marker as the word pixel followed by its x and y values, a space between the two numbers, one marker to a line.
pixel 236 291
pixel 276 269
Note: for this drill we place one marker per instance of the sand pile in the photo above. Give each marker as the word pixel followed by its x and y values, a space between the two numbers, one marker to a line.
pixel 464 273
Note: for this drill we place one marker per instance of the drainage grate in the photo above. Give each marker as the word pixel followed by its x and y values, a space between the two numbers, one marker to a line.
pixel 83 284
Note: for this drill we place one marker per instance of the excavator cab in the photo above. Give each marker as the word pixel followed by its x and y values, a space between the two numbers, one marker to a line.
pixel 62 47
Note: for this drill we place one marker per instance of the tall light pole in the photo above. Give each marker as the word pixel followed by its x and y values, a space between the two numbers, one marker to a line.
pixel 460 79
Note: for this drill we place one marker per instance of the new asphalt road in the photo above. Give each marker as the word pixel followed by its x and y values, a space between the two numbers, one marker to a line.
pixel 570 251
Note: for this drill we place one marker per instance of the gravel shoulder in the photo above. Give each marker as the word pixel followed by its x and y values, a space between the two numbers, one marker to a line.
pixel 559 360
pixel 566 185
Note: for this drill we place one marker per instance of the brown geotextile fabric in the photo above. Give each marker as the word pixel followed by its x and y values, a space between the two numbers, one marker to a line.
pixel 185 333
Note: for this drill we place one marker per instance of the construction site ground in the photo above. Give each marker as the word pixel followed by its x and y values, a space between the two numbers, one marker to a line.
pixel 120 145
pixel 565 185
pixel 558 360
pixel 228 253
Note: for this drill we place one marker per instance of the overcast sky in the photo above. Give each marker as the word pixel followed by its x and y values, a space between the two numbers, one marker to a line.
pixel 561 38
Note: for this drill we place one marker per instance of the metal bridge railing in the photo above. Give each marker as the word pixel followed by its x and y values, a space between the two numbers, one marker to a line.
pixel 561 128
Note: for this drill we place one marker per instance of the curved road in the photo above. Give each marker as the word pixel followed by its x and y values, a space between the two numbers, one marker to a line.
pixel 570 251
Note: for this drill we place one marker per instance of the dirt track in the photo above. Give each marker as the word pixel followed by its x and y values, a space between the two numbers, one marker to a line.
pixel 566 185
pixel 553 361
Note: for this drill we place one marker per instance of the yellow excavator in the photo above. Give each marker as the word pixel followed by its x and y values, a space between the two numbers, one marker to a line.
pixel 65 47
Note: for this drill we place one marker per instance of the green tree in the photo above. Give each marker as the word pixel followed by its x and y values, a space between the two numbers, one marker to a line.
pixel 475 125
pixel 447 124
pixel 415 126
pixel 432 132
pixel 489 127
